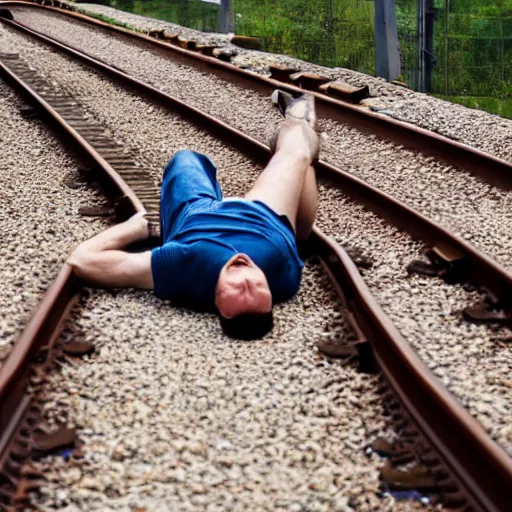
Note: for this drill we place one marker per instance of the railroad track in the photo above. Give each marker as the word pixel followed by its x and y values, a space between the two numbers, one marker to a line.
pixel 391 351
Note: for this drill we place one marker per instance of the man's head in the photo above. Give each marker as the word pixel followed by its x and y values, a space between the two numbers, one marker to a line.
pixel 243 299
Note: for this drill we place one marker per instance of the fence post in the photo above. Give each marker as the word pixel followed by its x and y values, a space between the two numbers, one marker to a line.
pixel 386 40
pixel 426 17
pixel 226 17
pixel 430 58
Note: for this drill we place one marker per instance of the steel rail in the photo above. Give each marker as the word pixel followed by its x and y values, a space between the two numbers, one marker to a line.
pixel 15 373
pixel 480 269
pixel 489 167
pixel 458 437
pixel 482 469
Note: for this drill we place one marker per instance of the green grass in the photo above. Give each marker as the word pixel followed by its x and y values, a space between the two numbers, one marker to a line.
pixel 498 106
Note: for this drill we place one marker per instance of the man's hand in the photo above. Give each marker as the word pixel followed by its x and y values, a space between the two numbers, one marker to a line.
pixel 149 228
pixel 141 225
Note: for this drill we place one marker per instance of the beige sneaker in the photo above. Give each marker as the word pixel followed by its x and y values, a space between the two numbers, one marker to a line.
pixel 302 107
pixel 297 112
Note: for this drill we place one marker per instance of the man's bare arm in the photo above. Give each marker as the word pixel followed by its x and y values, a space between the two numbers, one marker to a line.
pixel 101 262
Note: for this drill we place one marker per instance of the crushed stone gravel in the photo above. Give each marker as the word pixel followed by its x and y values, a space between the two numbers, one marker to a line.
pixel 470 207
pixel 175 416
pixel 38 214
pixel 425 311
pixel 472 361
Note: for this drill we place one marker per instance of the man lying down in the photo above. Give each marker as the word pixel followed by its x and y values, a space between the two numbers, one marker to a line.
pixel 237 256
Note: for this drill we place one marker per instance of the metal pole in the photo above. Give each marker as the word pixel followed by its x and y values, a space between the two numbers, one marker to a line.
pixel 226 17
pixel 331 39
pixel 446 47
pixel 426 58
pixel 430 17
pixel 421 43
pixel 386 40
pixel 502 46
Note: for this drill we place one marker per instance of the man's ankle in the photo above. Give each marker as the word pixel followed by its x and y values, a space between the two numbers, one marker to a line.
pixel 298 139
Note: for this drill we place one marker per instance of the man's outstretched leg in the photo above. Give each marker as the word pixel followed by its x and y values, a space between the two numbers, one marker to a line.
pixel 280 184
pixel 288 183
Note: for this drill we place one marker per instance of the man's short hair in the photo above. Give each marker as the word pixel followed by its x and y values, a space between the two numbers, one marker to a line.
pixel 250 326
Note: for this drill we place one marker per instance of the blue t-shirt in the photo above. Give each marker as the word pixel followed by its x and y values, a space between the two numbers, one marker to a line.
pixel 204 237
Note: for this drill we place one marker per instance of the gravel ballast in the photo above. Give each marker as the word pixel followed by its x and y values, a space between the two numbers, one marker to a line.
pixel 175 416
pixel 38 214
pixel 469 206
pixel 130 325
pixel 472 361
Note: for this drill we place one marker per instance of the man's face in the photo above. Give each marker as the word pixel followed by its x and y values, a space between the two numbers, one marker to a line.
pixel 242 288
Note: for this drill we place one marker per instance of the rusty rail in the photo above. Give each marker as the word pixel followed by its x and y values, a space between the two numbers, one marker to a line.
pixel 481 468
pixel 491 168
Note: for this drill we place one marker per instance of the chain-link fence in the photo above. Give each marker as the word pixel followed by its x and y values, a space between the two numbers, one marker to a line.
pixel 197 14
pixel 328 32
pixel 473 47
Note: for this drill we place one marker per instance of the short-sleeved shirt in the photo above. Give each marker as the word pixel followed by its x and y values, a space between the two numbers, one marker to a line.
pixel 207 233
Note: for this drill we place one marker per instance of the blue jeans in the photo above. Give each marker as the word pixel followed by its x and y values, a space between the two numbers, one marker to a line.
pixel 189 181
